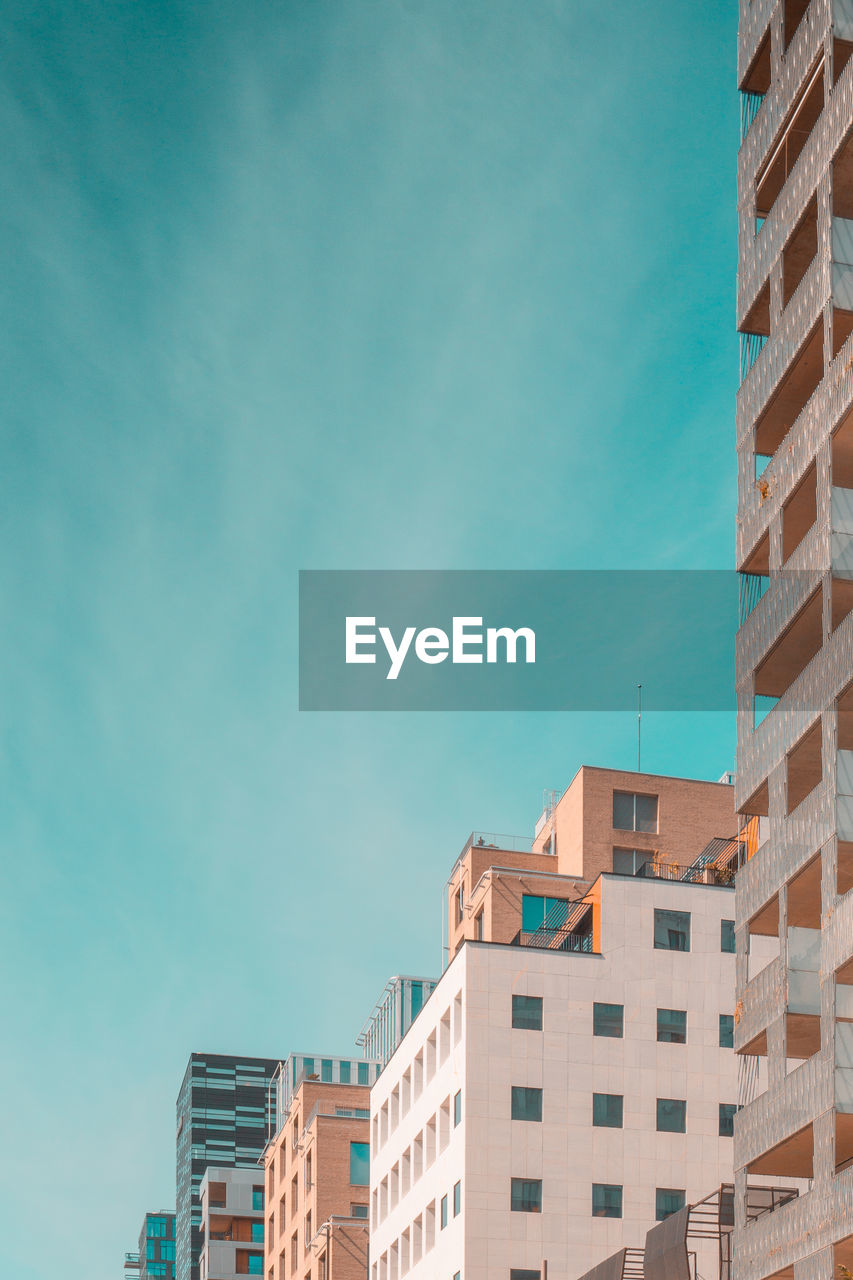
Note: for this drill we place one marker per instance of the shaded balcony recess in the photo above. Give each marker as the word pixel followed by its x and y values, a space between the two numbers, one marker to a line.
pixel 841 51
pixel 792 652
pixel 844 1153
pixel 792 1158
pixel 793 16
pixel 792 393
pixel 842 600
pixel 842 1254
pixel 842 179
pixel 758 317
pixel 765 922
pixel 790 141
pixel 757 79
pixel 799 252
pixel 799 513
pixel 802 1035
pixel 845 867
pixel 754 578
pixel 757 806
pixel 842 452
pixel 804 766
pixel 804 896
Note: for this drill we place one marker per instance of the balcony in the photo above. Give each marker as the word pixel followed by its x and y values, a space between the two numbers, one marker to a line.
pixel 790 143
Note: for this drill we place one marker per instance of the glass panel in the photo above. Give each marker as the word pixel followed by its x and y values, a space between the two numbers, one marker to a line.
pixel 257 1233
pixel 457 1199
pixel 527 1012
pixel 672 1115
pixel 727 935
pixel 358 1210
pixel 524 1273
pixel 417 998
pixel 308 1066
pixel 672 930
pixel 526 1195
pixel 345 1073
pixel 623 810
pixel 364 1073
pixel 647 813
pixel 607 1020
pixel 526 1103
pixel 457 1109
pixel 672 1026
pixel 443 1212
pixel 326 1070
pixel 257 1198
pixel 359 1164
pixel 667 1201
pixel 728 1110
pixel 727 1031
pixel 607 1110
pixel 606 1200
pixel 256 1264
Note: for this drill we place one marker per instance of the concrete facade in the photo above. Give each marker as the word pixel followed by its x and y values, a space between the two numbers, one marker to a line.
pixel 232 1224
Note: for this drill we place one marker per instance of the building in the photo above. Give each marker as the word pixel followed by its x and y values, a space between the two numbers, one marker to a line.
pixel 231 1235
pixel 795 641
pixel 317 1183
pixel 225 1111
pixel 316 1066
pixel 130 1271
pixel 156 1256
pixel 571 1080
pixel 393 1014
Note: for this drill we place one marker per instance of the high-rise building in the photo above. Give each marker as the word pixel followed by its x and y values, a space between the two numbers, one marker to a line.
pixel 157 1246
pixel 225 1111
pixel 232 1223
pixel 571 1080
pixel 795 640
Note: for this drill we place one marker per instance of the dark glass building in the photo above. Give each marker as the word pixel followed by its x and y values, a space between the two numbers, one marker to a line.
pixel 226 1109
pixel 157 1246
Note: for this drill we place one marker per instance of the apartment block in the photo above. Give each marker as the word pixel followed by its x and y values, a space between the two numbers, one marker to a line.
pixel 231 1235
pixel 226 1109
pixel 317 1066
pixel 130 1270
pixel 156 1255
pixel 393 1014
pixel 795 639
pixel 317 1185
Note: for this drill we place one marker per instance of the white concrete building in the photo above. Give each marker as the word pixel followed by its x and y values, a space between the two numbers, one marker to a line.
pixel 550 1105
pixel 232 1223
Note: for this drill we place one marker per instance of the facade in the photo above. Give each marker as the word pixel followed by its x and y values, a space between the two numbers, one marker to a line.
pixel 130 1271
pixel 231 1236
pixel 156 1256
pixel 317 1066
pixel 317 1184
pixel 553 1101
pixel 225 1110
pixel 795 641
pixel 393 1014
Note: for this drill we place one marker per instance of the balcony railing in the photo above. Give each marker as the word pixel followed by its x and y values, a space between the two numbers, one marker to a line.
pixel 751 587
pixel 491 840
pixel 554 940
pixel 751 346
pixel 749 105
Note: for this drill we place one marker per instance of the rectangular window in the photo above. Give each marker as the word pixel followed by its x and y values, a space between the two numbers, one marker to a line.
pixel 345 1072
pixel 606 1200
pixel 457 1199
pixel 158 1269
pixel 672 1026
pixel 527 1013
pixel 308 1066
pixel 156 1227
pixel 633 812
pixel 727 1031
pixel 364 1073
pixel 537 911
pixel 728 1111
pixel 671 1115
pixel 359 1164
pixel 667 1202
pixel 457 1108
pixel 358 1211
pixel 258 1233
pixel 630 862
pixel 524 1273
pixel 443 1218
pixel 607 1110
pixel 151 1251
pixel 478 926
pixel 608 1020
pixel 256 1264
pixel 326 1070
pixel 727 935
pixel 526 1103
pixel 525 1195
pixel 672 930
pixel 167 1250
pixel 257 1198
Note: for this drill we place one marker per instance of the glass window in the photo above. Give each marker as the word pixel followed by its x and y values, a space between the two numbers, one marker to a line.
pixel 524 1273
pixel 257 1233
pixel 156 1227
pixel 728 1111
pixel 457 1199
pixel 527 1013
pixel 359 1164
pixel 537 911
pixel 607 1110
pixel 345 1073
pixel 727 935
pixel 256 1264
pixel 672 1115
pixel 526 1103
pixel 358 1211
pixel 667 1202
pixel 525 1195
pixel 606 1200
pixel 727 1031
pixel 417 998
pixel 364 1073
pixel 608 1020
pixel 633 812
pixel 151 1251
pixel 457 1109
pixel 156 1268
pixel 308 1066
pixel 326 1070
pixel 443 1212
pixel 257 1198
pixel 672 930
pixel 672 1026
pixel 167 1250
pixel 630 862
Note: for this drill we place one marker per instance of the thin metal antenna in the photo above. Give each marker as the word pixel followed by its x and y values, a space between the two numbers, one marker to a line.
pixel 639 724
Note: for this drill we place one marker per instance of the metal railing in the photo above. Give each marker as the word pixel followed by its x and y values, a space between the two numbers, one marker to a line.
pixel 492 840
pixel 554 940
pixel 749 105
pixel 751 588
pixel 751 346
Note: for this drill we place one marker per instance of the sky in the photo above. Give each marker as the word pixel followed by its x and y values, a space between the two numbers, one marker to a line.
pixel 388 284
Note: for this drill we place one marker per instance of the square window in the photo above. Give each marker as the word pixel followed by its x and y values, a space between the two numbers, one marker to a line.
pixel 671 1115
pixel 672 930
pixel 672 1026
pixel 457 1199
pixel 727 1031
pixel 633 812
pixel 727 935
pixel 667 1202
pixel 630 862
pixel 525 1195
pixel 607 1110
pixel 728 1111
pixel 526 1103
pixel 443 1212
pixel 457 1108
pixel 608 1020
pixel 606 1200
pixel 527 1013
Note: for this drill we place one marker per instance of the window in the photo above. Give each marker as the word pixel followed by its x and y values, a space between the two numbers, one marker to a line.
pixel 258 1233
pixel 606 1200
pixel 443 1218
pixel 727 1031
pixel 344 1070
pixel 667 1202
pixel 457 1108
pixel 672 1026
pixel 358 1211
pixel 364 1073
pixel 156 1227
pixel 672 930
pixel 608 1020
pixel 524 1273
pixel 158 1269
pixel 672 1115
pixel 257 1198
pixel 326 1070
pixel 526 1103
pixel 527 1013
pixel 478 926
pixel 525 1195
pixel 359 1164
pixel 150 1251
pixel 607 1110
pixel 308 1066
pixel 727 935
pixel 537 911
pixel 167 1250
pixel 630 862
pixel 457 1199
pixel 728 1110
pixel 256 1264
pixel 634 812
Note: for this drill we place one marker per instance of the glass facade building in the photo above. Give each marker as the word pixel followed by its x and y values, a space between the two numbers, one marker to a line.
pixel 157 1246
pixel 226 1109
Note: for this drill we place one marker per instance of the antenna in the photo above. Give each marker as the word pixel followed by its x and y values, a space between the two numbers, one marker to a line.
pixel 639 724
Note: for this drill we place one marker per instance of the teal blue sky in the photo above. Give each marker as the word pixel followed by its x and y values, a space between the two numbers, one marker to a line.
pixel 389 284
